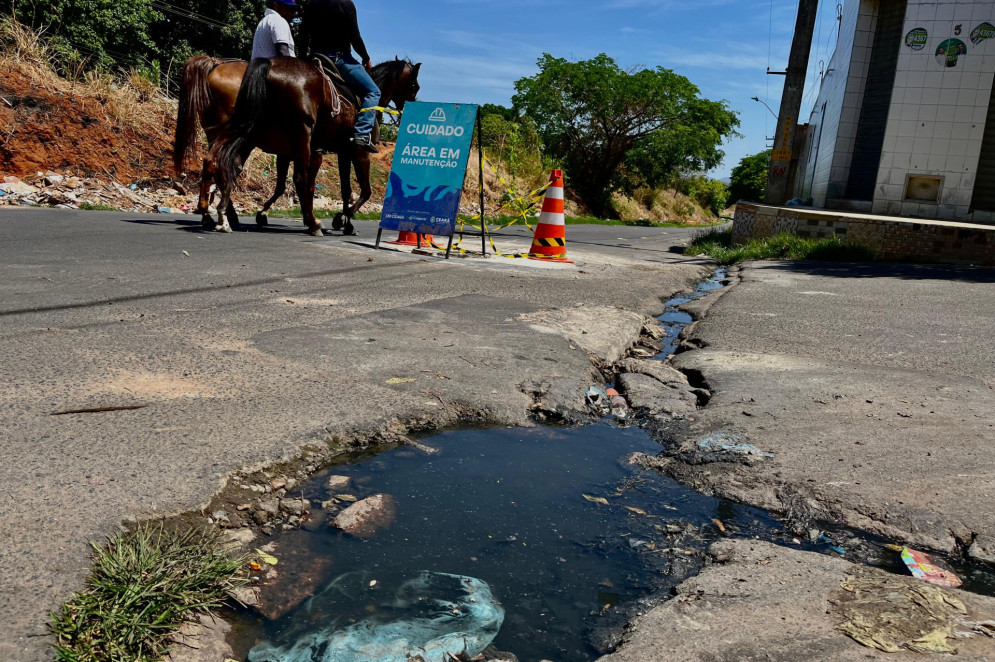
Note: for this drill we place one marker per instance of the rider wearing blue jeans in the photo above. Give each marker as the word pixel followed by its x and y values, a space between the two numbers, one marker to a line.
pixel 331 28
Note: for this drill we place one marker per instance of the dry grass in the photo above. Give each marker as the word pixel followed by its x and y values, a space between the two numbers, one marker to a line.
pixel 129 102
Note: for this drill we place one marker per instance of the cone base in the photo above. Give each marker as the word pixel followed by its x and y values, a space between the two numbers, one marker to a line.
pixel 411 239
pixel 543 258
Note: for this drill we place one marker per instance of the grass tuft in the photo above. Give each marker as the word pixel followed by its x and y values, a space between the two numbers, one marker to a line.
pixel 143 586
pixel 718 245
pixel 89 206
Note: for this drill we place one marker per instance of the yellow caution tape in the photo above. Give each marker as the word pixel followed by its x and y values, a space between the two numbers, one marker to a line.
pixel 381 109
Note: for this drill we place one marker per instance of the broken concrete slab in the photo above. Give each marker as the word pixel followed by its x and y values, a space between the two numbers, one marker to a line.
pixel 202 640
pixel 656 369
pixel 758 601
pixel 606 334
pixel 649 395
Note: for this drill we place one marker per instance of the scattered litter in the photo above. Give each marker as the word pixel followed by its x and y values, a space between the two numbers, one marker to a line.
pixel 594 499
pixel 718 523
pixel 720 442
pixel 597 400
pixel 401 380
pixel 435 617
pixel 638 511
pixel 186 253
pixel 924 567
pixel 268 559
pixel 889 613
pixel 619 407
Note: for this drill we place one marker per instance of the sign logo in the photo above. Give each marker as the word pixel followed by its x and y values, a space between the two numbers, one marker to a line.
pixel 916 39
pixel 982 32
pixel 426 178
pixel 950 51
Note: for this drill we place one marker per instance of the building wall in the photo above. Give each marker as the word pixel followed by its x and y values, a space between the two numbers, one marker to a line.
pixel 833 124
pixel 936 123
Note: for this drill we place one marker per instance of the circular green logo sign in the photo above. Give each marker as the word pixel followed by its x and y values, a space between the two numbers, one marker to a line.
pixel 916 39
pixel 950 51
pixel 982 32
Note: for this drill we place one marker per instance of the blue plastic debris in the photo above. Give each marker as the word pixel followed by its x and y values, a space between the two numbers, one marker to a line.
pixel 722 442
pixel 434 616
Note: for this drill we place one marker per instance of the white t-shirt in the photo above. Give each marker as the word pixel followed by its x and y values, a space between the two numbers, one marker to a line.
pixel 272 30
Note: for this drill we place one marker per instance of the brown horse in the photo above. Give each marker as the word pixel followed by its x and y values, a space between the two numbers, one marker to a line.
pixel 210 89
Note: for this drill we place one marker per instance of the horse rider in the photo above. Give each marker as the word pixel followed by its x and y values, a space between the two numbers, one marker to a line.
pixel 273 36
pixel 331 28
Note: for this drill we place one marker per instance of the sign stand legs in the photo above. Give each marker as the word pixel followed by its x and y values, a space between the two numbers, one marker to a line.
pixel 480 161
pixel 379 234
pixel 449 248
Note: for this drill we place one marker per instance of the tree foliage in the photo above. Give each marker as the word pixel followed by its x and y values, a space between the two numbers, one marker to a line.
pixel 620 130
pixel 749 178
pixel 710 194
pixel 142 34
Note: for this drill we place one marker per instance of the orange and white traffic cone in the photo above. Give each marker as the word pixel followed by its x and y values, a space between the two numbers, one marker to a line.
pixel 411 239
pixel 550 241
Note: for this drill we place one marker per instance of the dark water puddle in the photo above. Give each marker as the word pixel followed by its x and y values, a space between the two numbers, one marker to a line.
pixel 674 319
pixel 571 539
pixel 508 507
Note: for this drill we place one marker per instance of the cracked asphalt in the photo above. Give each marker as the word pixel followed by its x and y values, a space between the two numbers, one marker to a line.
pixel 242 350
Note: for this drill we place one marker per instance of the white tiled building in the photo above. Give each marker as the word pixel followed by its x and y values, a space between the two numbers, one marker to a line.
pixel 905 120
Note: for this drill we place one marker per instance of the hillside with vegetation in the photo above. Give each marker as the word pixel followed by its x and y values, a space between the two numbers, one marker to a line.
pixel 91 126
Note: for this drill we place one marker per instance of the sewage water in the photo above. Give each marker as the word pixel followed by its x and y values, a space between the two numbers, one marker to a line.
pixel 674 319
pixel 570 538
pixel 522 510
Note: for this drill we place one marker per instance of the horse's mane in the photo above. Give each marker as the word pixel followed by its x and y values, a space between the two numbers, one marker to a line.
pixel 386 69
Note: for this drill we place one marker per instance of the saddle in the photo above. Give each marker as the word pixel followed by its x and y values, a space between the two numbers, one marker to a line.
pixel 340 89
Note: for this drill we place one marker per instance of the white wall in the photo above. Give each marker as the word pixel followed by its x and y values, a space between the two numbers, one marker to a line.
pixel 937 118
pixel 830 149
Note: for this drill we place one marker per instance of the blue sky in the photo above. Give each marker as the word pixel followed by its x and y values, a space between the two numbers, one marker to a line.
pixel 474 50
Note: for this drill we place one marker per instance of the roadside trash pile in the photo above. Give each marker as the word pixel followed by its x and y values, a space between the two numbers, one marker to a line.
pixel 433 617
pixel 604 402
pixel 52 189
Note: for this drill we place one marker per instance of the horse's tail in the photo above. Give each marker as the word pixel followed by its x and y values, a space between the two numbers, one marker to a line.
pixel 195 98
pixel 249 108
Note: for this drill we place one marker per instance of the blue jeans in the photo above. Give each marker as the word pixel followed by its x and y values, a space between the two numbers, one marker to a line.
pixel 356 75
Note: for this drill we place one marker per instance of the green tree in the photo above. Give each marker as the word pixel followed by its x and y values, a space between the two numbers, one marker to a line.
pixel 106 32
pixel 621 130
pixel 710 194
pixel 749 178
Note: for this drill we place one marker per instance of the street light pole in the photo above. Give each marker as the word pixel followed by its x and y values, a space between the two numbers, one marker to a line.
pixel 791 103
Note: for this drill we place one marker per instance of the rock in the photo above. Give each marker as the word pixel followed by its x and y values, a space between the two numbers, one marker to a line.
pixel 364 518
pixel 234 540
pixel 220 516
pixel 302 569
pixel 266 510
pixel 278 483
pixel 338 483
pixel 51 179
pixel 180 188
pixel 650 395
pixel 983 550
pixel 295 506
pixel 201 641
pixel 291 484
pixel 72 182
pixel 247 595
pixel 656 369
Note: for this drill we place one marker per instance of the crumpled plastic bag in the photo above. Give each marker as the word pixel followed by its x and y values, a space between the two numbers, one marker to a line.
pixel 432 616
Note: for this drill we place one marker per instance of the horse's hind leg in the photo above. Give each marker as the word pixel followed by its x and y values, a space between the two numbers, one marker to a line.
pixel 204 201
pixel 282 168
pixel 226 186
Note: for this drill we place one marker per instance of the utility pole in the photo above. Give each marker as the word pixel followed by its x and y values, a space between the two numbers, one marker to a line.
pixel 791 103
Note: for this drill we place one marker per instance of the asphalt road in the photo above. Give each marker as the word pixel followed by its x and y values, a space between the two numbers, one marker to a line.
pixel 243 349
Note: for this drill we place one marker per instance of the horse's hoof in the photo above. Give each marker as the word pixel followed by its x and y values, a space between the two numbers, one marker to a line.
pixel 338 222
pixel 207 222
pixel 316 232
pixel 262 220
pixel 223 227
pixel 349 230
